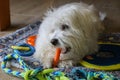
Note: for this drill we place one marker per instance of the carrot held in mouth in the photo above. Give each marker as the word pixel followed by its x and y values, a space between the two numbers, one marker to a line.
pixel 56 57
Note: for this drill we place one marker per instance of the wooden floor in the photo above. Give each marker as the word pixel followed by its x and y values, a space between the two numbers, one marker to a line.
pixel 24 12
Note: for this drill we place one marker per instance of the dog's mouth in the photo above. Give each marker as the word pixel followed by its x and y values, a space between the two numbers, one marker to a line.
pixel 66 50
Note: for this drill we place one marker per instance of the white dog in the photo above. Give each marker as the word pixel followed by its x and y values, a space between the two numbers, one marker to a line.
pixel 74 28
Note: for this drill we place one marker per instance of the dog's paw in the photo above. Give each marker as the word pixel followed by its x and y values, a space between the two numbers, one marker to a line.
pixel 66 63
pixel 47 65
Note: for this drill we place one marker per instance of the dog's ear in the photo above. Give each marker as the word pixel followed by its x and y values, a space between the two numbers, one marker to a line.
pixel 102 16
pixel 101 26
pixel 50 11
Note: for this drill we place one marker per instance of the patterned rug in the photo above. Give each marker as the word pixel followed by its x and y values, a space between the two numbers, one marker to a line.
pixel 20 36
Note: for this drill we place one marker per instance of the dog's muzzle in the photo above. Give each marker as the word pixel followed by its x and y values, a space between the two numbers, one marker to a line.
pixel 55 42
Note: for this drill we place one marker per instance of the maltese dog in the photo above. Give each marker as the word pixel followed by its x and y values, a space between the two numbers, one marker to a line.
pixel 72 27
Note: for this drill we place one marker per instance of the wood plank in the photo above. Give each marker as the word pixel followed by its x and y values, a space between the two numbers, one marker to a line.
pixel 4 14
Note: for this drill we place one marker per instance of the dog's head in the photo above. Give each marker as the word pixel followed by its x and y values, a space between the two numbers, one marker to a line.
pixel 70 26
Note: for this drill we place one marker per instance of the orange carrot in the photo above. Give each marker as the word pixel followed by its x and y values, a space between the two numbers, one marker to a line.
pixel 56 57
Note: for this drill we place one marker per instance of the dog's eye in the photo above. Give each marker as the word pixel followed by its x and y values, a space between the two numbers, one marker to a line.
pixel 64 27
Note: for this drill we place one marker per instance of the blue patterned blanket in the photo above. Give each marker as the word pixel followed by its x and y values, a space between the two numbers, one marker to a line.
pixel 20 36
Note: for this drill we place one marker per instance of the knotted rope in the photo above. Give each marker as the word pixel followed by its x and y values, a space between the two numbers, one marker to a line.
pixel 30 74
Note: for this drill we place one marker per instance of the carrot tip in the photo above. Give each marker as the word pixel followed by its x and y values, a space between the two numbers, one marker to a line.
pixel 56 57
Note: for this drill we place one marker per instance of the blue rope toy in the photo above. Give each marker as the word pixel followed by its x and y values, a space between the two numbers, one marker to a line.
pixel 25 50
pixel 48 74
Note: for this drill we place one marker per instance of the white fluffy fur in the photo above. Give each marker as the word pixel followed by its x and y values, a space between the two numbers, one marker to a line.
pixel 81 36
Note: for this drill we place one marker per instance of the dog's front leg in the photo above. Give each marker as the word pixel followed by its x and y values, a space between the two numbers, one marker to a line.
pixel 47 63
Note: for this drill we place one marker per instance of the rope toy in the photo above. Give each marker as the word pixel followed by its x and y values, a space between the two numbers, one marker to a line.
pixel 24 49
pixel 31 74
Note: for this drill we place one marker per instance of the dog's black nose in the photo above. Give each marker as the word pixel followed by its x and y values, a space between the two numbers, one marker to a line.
pixel 54 41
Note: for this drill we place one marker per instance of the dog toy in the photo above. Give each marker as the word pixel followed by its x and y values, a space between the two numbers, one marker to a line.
pixel 31 74
pixel 31 40
pixel 107 58
pixel 24 49
pixel 56 57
